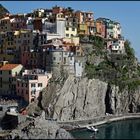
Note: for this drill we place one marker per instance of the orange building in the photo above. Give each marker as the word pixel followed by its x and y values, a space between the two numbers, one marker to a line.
pixel 57 10
pixel 85 23
pixel 100 28
pixel 37 23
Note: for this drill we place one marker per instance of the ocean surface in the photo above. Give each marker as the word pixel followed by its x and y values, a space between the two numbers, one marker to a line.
pixel 125 129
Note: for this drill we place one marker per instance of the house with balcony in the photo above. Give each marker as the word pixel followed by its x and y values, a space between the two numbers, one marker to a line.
pixel 31 83
pixel 71 27
pixel 5 24
pixel 86 23
pixel 116 46
pixel 112 28
pixel 60 24
pixel 100 28
pixel 57 54
pixel 57 9
pixel 8 75
pixel 7 48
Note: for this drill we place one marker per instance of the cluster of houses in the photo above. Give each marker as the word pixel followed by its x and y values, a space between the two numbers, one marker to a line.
pixel 32 45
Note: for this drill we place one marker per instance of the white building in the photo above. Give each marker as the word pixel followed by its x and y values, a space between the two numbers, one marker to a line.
pixel 60 25
pixel 116 30
pixel 29 23
pixel 78 69
pixel 116 46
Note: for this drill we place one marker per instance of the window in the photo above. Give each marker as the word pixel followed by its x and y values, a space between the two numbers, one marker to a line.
pixel 22 92
pixel 18 84
pixel 73 29
pixel 70 58
pixel 39 84
pixel 0 72
pixel 64 60
pixel 71 35
pixel 9 72
pixel 32 92
pixel 32 85
pixel 22 84
pixel 67 35
pixel 67 28
pixel 9 79
pixel 26 91
pixel 54 58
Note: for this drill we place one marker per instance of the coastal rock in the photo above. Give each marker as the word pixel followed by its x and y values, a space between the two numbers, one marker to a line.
pixel 41 129
pixel 78 99
pixel 84 98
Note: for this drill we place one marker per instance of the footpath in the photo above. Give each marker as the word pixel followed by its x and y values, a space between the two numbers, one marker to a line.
pixel 79 124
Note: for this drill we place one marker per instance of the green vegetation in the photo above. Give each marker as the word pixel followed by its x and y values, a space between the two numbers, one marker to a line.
pixel 119 69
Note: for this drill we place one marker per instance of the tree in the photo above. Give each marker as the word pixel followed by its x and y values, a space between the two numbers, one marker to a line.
pixel 129 51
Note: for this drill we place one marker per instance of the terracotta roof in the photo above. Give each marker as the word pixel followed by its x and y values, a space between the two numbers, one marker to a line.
pixel 9 66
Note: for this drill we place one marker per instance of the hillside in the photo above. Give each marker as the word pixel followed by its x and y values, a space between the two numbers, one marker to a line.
pixel 110 85
pixel 3 10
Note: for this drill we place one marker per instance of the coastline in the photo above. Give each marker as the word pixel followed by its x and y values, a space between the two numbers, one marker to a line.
pixel 81 124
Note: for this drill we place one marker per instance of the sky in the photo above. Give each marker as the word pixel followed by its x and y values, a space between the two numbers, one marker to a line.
pixel 125 12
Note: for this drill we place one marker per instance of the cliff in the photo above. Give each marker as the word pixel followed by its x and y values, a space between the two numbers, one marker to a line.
pixel 110 84
pixel 87 98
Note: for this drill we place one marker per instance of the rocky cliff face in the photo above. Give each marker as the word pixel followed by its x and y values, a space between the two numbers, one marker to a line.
pixel 85 98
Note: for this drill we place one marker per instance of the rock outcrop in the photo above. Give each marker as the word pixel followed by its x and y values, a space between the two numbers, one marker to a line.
pixel 85 98
pixel 41 129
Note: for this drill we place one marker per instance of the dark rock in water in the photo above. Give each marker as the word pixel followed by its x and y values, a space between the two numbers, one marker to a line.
pixel 9 122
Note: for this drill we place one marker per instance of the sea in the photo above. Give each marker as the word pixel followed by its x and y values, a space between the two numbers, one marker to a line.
pixel 124 129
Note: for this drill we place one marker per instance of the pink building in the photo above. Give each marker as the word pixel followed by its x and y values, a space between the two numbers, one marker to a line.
pixel 31 84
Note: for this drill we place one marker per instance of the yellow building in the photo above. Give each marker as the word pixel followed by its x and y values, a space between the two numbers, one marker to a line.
pixel 12 43
pixel 7 46
pixel 71 27
pixel 8 73
pixel 70 31
pixel 82 29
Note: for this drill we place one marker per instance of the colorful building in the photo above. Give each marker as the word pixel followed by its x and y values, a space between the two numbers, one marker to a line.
pixel 116 46
pixel 32 82
pixel 7 49
pixel 8 74
pixel 85 23
pixel 71 27
pixel 112 28
pixel 100 28
pixel 57 10
pixel 60 24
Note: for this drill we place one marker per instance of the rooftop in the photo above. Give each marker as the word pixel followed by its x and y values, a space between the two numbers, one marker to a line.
pixel 9 66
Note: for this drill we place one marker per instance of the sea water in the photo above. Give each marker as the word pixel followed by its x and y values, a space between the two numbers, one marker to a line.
pixel 125 129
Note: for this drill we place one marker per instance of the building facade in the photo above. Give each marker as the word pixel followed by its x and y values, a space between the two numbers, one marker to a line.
pixel 8 74
pixel 32 82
